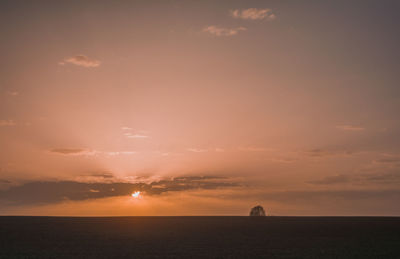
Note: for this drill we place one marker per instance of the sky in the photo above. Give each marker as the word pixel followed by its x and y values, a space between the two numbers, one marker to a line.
pixel 204 107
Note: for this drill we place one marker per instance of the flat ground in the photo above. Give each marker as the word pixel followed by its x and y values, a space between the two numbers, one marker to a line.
pixel 210 237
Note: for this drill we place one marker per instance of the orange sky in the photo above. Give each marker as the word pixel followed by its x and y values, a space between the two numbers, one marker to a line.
pixel 206 107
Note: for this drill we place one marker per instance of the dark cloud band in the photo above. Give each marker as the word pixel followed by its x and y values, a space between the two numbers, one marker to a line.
pixel 53 192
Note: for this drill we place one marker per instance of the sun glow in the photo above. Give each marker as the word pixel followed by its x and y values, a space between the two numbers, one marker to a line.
pixel 136 194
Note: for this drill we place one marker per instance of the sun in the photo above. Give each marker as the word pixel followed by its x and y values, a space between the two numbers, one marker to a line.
pixel 136 194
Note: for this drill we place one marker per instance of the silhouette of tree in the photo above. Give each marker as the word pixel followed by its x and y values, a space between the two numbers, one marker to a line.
pixel 257 211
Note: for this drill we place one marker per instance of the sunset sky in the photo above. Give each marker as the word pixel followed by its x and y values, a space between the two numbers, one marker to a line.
pixel 205 107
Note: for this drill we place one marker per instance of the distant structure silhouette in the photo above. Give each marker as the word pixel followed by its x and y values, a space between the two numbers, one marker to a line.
pixel 257 211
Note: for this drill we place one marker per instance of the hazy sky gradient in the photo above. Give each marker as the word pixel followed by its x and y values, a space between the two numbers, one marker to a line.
pixel 290 104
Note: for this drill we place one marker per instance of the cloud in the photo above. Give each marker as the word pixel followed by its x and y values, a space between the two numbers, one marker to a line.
pixel 220 31
pixel 73 151
pixel 139 134
pixel 116 153
pixel 196 150
pixel 5 123
pixel 128 135
pixel 53 192
pixel 96 177
pixel 81 60
pixel 88 152
pixel 333 198
pixel 374 178
pixel 350 128
pixel 285 160
pixel 317 152
pixel 99 175
pixel 105 175
pixel 253 14
pixel 13 93
pixel 335 179
pixel 388 160
pixel 254 149
pixel 67 151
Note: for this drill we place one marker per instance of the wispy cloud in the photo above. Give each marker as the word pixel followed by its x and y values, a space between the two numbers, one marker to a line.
pixel 88 152
pixel 220 31
pixel 254 149
pixel 103 175
pixel 116 153
pixel 317 152
pixel 96 177
pixel 284 160
pixel 350 128
pixel 253 14
pixel 335 179
pixel 196 150
pixel 5 123
pixel 73 151
pixel 374 178
pixel 81 60
pixel 13 93
pixel 136 136
pixel 388 160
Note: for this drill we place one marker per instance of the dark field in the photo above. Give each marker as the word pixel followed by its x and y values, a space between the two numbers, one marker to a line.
pixel 211 237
